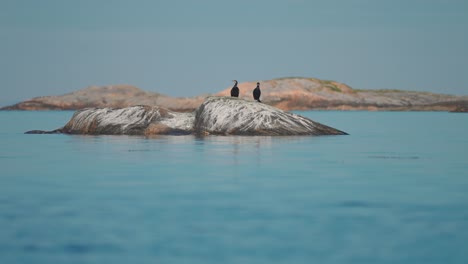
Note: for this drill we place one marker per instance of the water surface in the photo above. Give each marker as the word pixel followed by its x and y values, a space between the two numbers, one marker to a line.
pixel 393 191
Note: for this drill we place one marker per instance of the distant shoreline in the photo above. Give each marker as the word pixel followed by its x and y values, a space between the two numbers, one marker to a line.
pixel 288 94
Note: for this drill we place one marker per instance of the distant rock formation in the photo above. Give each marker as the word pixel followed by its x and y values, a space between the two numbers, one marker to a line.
pixel 461 109
pixel 311 93
pixel 217 115
pixel 113 96
pixel 284 93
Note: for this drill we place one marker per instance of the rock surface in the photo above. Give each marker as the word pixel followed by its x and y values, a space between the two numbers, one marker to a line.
pixel 233 116
pixel 135 120
pixel 217 115
pixel 284 93
pixel 461 109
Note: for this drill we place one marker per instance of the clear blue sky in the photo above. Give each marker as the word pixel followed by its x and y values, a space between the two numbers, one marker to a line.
pixel 180 48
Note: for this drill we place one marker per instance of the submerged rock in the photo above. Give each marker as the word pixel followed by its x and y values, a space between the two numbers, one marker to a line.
pixel 217 115
pixel 56 131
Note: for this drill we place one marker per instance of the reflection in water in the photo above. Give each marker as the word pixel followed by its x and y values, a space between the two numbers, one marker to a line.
pixel 237 147
pixel 250 140
pixel 183 139
pixel 228 149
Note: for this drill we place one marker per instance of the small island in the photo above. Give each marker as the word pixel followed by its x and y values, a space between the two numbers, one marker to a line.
pixel 215 116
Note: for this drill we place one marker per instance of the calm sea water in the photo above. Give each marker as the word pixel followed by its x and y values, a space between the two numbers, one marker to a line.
pixel 394 191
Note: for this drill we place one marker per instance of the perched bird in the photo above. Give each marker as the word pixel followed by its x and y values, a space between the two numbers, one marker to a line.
pixel 256 92
pixel 235 90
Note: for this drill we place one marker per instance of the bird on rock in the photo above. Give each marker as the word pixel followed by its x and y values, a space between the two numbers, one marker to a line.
pixel 256 93
pixel 235 90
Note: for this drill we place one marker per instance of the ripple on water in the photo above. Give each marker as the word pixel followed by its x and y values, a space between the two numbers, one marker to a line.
pixel 394 157
pixel 359 204
pixel 72 248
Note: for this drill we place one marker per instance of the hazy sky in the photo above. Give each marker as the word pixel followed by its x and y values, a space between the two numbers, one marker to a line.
pixel 185 48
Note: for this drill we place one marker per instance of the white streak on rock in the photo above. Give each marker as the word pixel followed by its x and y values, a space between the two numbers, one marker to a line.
pixel 227 115
pixel 130 120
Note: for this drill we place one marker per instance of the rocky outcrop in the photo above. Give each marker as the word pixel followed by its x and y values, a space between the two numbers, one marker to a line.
pixel 233 116
pixel 284 93
pixel 135 120
pixel 217 115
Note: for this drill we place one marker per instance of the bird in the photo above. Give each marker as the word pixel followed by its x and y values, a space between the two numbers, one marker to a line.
pixel 235 89
pixel 256 93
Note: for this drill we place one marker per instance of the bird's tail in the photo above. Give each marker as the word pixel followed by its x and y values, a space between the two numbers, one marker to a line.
pixel 259 100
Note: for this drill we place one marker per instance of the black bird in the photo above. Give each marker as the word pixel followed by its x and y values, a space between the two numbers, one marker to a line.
pixel 256 92
pixel 235 90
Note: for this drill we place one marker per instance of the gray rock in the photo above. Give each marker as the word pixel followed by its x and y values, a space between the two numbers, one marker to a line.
pixel 233 116
pixel 135 120
pixel 217 115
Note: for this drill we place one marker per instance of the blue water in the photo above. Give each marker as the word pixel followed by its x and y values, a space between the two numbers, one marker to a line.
pixel 394 191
